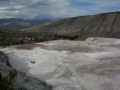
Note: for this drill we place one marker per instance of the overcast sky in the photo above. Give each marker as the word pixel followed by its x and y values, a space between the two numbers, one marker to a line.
pixel 38 9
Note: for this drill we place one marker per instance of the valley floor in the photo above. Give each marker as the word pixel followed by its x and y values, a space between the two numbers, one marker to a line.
pixel 93 64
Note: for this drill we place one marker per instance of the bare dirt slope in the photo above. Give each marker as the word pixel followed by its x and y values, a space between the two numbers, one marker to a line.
pixel 102 25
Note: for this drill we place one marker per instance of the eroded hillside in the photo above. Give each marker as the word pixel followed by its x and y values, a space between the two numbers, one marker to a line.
pixel 103 25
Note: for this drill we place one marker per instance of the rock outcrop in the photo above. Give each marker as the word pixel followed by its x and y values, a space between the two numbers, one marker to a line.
pixel 93 64
pixel 11 79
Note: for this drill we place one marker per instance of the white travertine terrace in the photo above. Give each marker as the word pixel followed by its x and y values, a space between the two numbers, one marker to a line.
pixel 93 64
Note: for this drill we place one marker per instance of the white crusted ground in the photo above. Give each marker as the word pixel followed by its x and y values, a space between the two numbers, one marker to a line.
pixel 93 64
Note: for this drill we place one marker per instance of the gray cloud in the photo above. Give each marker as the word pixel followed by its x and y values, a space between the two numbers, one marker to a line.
pixel 34 8
pixel 50 8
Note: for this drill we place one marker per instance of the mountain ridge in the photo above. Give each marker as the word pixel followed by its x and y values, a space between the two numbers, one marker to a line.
pixel 103 25
pixel 17 24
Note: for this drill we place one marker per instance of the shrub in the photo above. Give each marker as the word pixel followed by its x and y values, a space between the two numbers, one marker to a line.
pixel 12 74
